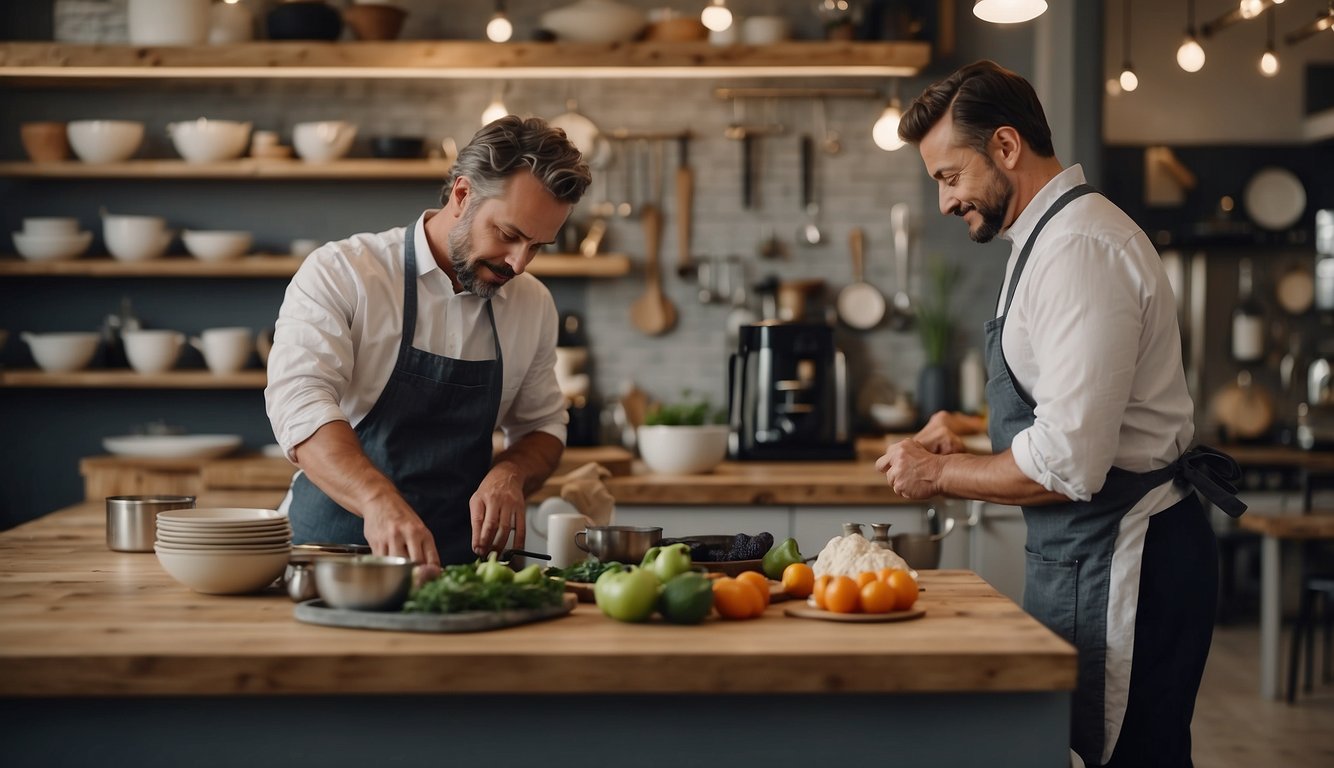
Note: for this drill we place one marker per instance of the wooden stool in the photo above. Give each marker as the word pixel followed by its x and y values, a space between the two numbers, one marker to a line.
pixel 1314 586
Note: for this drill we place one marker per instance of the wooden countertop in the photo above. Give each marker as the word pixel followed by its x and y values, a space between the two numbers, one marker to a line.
pixel 79 620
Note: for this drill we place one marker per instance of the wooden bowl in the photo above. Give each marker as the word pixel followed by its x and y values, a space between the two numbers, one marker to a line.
pixel 375 21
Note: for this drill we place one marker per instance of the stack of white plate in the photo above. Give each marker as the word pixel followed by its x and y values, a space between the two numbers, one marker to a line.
pixel 223 551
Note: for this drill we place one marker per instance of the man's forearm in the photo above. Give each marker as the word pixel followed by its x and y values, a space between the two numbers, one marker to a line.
pixel 334 461
pixel 531 460
pixel 995 478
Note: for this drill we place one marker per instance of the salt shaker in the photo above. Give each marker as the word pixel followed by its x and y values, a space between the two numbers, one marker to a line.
pixel 880 534
pixel 851 529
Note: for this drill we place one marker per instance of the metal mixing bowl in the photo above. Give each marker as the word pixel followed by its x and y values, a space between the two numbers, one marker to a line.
pixel 364 582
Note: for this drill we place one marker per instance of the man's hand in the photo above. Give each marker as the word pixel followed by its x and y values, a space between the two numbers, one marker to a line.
pixel 911 470
pixel 942 432
pixel 392 528
pixel 497 508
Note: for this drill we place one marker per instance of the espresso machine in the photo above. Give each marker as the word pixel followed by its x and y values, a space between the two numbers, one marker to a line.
pixel 788 394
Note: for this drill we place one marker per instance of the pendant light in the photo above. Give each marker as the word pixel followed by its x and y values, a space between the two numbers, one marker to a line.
pixel 885 132
pixel 1269 60
pixel 1008 11
pixel 496 109
pixel 1249 9
pixel 1190 56
pixel 716 16
pixel 1128 80
pixel 499 29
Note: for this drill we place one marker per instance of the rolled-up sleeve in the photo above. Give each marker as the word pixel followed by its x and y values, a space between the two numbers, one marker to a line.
pixel 1084 315
pixel 311 362
pixel 539 406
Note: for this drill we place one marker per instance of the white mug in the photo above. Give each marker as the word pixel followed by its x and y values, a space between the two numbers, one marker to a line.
pixel 226 350
pixel 561 528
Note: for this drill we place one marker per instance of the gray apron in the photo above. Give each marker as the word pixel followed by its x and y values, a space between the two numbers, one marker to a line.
pixel 429 432
pixel 1069 545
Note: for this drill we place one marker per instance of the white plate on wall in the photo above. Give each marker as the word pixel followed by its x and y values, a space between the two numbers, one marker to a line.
pixel 172 446
pixel 1275 198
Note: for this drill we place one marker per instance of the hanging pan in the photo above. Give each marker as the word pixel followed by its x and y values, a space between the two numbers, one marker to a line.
pixel 860 304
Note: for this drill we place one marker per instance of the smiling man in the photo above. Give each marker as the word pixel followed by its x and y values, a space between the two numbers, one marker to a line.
pixel 397 354
pixel 1089 417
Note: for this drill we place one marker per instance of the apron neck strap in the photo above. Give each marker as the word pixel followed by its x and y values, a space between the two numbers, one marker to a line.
pixel 1061 202
pixel 410 295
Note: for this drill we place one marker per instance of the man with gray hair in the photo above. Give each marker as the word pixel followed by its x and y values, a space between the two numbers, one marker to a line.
pixel 397 354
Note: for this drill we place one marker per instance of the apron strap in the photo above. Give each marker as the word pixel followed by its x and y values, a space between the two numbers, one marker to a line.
pixel 1061 202
pixel 409 290
pixel 1215 475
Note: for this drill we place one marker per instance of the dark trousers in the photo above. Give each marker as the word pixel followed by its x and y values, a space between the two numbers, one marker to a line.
pixel 1174 625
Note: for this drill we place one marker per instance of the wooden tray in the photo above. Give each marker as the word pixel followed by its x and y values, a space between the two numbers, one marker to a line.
pixel 580 589
pixel 803 611
pixel 316 612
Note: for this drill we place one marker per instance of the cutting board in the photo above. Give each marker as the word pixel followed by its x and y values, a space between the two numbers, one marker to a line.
pixel 803 611
pixel 316 612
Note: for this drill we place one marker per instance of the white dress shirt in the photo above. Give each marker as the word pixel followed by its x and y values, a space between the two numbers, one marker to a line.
pixel 1092 337
pixel 338 333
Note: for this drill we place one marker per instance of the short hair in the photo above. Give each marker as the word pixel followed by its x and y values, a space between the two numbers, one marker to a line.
pixel 513 143
pixel 981 97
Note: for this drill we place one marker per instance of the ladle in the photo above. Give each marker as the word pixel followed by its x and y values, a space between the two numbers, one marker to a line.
pixel 810 231
pixel 829 139
pixel 902 313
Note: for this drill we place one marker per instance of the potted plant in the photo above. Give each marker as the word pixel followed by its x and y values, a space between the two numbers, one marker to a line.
pixel 935 324
pixel 683 438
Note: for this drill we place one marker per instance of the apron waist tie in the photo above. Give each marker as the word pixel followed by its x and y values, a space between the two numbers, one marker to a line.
pixel 1215 475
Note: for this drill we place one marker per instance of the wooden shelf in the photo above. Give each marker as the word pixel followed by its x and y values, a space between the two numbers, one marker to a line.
pixel 462 59
pixel 245 168
pixel 127 379
pixel 263 266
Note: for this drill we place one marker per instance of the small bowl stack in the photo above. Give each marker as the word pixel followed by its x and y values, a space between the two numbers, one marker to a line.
pixel 223 551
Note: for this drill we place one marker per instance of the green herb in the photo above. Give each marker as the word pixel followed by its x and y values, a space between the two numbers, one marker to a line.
pixel 689 412
pixel 934 321
pixel 460 588
pixel 586 571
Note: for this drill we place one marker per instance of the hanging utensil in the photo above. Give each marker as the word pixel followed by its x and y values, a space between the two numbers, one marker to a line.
pixel 829 138
pixel 903 315
pixel 685 200
pixel 810 231
pixel 626 206
pixel 582 132
pixel 741 313
pixel 653 313
pixel 860 304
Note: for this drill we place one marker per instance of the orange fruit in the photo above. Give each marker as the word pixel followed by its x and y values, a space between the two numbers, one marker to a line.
pixel 733 599
pixel 759 582
pixel 905 589
pixel 865 577
pixel 883 573
pixel 798 580
pixel 877 597
pixel 842 595
pixel 818 589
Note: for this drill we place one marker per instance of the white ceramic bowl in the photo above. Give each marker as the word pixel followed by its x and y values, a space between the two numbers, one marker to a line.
pixel 135 238
pixel 683 450
pixel 323 142
pixel 50 225
pixel 105 141
pixel 594 21
pixel 172 446
pixel 153 351
pixel 209 141
pixel 52 247
pixel 216 245
pixel 62 352
pixel 224 573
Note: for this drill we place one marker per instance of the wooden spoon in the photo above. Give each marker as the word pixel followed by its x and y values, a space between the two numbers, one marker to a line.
pixel 652 313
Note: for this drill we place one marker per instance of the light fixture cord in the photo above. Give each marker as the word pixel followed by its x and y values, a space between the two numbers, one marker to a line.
pixel 1273 12
pixel 1190 17
pixel 1126 47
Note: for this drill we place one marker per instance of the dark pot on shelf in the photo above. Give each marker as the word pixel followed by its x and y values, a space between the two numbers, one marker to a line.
pixel 935 391
pixel 397 147
pixel 304 20
pixel 374 21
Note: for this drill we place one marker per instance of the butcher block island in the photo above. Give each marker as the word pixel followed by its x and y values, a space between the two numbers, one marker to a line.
pixel 105 658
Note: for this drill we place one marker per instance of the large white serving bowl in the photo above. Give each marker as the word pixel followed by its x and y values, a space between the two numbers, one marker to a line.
pixel 135 238
pixel 152 351
pixel 209 141
pixel 685 450
pixel 105 141
pixel 62 352
pixel 172 446
pixel 216 244
pixel 224 573
pixel 324 141
pixel 52 247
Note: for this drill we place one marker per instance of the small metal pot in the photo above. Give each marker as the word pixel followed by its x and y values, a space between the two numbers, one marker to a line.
pixel 299 580
pixel 364 582
pixel 619 543
pixel 921 550
pixel 132 520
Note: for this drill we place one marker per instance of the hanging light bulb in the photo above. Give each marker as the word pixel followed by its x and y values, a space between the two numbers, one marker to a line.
pixel 496 109
pixel 499 29
pixel 885 132
pixel 1190 56
pixel 1249 9
pixel 1269 60
pixel 1008 11
pixel 1128 80
pixel 716 16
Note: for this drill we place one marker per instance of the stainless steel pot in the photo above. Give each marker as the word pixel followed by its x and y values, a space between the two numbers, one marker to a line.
pixel 132 520
pixel 619 543
pixel 921 550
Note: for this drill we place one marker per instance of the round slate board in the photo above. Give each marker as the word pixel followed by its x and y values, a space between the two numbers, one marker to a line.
pixel 802 611
pixel 316 612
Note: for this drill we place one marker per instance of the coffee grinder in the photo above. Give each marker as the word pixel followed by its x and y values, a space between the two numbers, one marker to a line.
pixel 788 394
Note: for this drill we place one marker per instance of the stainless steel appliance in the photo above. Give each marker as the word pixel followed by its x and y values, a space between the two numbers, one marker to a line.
pixel 788 394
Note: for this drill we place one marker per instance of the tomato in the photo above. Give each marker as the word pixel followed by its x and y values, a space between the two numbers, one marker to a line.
pixel 818 589
pixel 842 595
pixel 798 580
pixel 877 597
pixel 865 577
pixel 905 589
pixel 734 599
pixel 759 582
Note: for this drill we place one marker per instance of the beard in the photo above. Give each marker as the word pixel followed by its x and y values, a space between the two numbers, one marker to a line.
pixel 992 207
pixel 465 267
